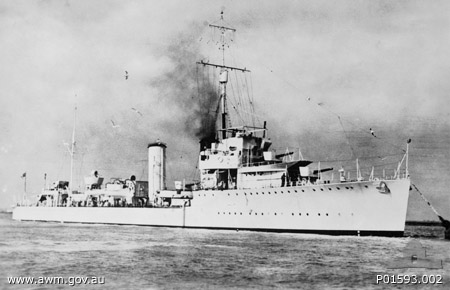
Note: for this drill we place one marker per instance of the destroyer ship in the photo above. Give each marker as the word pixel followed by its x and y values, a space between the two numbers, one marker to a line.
pixel 243 185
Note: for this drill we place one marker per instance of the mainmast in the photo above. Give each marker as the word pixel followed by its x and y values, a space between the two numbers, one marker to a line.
pixel 72 150
pixel 223 77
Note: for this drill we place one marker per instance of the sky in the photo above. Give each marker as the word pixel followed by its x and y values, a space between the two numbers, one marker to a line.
pixel 322 74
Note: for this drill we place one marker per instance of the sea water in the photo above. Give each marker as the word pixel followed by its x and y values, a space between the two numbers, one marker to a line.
pixel 135 257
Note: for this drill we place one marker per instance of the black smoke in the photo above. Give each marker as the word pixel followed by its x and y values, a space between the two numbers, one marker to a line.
pixel 187 85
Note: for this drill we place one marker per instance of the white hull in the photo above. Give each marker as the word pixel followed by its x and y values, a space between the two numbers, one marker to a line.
pixel 343 208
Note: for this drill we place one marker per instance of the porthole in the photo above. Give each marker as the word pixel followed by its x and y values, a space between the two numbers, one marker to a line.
pixel 366 186
pixel 275 192
pixel 228 194
pixel 292 213
pixel 251 193
pixel 241 213
pixel 281 191
pixel 346 187
pixel 351 187
pixel 234 213
pixel 318 214
pixel 275 213
pixel 321 189
pixel 314 189
pixel 295 190
pixel 229 212
pixel 218 212
pixel 326 214
pixel 338 188
pixel 256 193
pixel 236 194
pixel 256 213
pixel 303 190
pixel 262 213
pixel 307 214
pixel 329 188
pixel 299 213
pixel 289 191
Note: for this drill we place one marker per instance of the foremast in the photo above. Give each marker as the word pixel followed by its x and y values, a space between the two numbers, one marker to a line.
pixel 238 158
pixel 223 76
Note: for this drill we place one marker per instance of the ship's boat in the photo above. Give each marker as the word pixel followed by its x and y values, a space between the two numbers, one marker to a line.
pixel 243 184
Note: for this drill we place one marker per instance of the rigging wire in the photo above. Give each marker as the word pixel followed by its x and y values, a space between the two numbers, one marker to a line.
pixel 245 100
pixel 252 96
pixel 346 136
pixel 233 104
pixel 250 100
pixel 236 103
pixel 324 107
pixel 241 103
pixel 444 222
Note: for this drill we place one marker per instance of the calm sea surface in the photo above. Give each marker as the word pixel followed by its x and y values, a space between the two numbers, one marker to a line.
pixel 131 257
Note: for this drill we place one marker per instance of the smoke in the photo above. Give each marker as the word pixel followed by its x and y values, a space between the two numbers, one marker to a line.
pixel 187 86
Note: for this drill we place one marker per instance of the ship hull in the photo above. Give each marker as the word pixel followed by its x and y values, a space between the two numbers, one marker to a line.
pixel 340 209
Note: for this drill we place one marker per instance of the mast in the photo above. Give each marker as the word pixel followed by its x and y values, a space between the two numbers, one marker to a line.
pixel 407 158
pixel 223 77
pixel 72 150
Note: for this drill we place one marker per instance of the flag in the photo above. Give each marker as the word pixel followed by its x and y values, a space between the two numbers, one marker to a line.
pixel 24 175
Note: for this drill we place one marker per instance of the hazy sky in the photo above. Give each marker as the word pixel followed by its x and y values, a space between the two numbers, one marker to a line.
pixel 323 73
